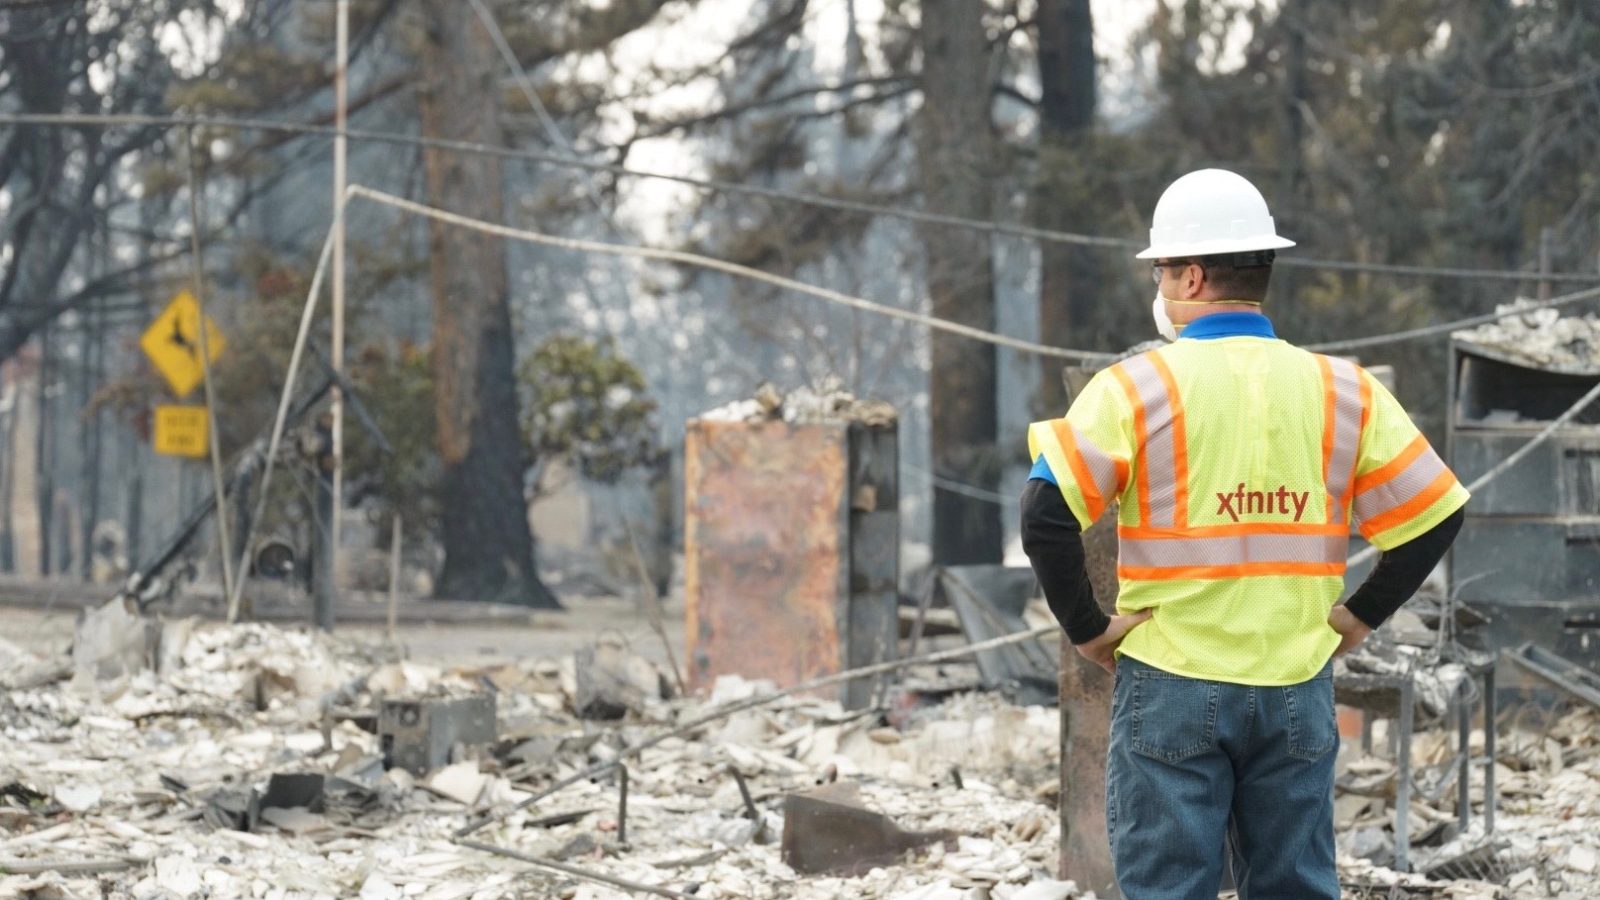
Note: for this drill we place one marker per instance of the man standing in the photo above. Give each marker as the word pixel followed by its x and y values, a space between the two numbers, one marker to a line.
pixel 1238 463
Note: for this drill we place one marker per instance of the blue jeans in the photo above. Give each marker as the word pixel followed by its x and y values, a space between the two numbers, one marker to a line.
pixel 1198 768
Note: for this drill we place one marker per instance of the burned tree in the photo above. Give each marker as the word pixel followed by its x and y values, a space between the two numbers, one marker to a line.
pixel 488 546
pixel 954 159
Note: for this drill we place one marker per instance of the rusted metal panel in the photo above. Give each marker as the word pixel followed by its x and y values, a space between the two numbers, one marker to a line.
pixel 766 536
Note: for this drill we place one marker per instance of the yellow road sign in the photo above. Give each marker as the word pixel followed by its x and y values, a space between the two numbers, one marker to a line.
pixel 182 431
pixel 173 343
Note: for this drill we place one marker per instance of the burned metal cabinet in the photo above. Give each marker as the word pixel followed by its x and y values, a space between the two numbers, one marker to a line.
pixel 422 734
pixel 791 545
pixel 1529 552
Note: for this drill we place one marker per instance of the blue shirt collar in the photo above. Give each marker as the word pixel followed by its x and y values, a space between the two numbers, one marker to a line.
pixel 1229 324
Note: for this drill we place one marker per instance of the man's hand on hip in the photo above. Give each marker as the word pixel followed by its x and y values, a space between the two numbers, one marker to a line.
pixel 1102 651
pixel 1352 631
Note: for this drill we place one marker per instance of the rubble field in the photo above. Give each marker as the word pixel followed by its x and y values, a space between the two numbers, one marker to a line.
pixel 245 761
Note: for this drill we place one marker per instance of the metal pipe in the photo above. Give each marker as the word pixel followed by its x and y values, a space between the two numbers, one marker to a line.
pixel 329 585
pixel 576 872
pixel 1402 800
pixel 1464 737
pixel 750 810
pixel 1489 716
pixel 622 805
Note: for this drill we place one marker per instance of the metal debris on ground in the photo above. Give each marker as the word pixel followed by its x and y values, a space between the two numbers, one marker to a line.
pixel 1545 841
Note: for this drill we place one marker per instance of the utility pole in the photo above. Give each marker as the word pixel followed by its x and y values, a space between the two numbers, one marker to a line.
pixel 328 581
pixel 202 332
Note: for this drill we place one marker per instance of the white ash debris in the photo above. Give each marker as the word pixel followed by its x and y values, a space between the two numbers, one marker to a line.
pixel 1541 338
pixel 122 775
pixel 128 776
pixel 827 402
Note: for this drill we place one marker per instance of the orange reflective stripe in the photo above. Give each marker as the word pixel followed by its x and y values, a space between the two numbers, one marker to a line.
pixel 1418 504
pixel 1366 405
pixel 1180 442
pixel 1329 404
pixel 1133 532
pixel 1202 573
pixel 1162 461
pixel 1099 475
pixel 1345 398
pixel 1140 437
pixel 1392 468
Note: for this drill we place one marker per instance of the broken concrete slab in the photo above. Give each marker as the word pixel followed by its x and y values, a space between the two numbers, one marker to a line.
pixel 608 681
pixel 78 798
pixel 461 782
pixel 113 641
pixel 828 830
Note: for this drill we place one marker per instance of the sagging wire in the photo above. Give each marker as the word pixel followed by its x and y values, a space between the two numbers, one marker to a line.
pixel 710 184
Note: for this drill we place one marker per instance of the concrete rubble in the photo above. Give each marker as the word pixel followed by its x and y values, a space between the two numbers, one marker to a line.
pixel 828 402
pixel 250 767
pixel 1541 338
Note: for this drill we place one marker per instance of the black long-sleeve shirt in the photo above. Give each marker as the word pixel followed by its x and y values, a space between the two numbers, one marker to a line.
pixel 1054 544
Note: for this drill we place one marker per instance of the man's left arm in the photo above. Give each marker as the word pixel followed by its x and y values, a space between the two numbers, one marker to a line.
pixel 1409 505
pixel 1391 583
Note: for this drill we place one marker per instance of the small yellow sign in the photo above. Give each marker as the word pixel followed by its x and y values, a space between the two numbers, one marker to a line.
pixel 173 343
pixel 182 431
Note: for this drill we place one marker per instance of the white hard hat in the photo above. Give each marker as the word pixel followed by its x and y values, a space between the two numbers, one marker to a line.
pixel 1208 212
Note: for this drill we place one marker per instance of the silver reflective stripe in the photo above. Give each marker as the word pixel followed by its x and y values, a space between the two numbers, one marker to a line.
pixel 1159 456
pixel 1233 550
pixel 1102 468
pixel 1412 480
pixel 1346 435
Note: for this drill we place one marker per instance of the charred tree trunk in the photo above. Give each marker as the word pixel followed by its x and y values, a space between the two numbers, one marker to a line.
pixel 1066 111
pixel 955 159
pixel 488 546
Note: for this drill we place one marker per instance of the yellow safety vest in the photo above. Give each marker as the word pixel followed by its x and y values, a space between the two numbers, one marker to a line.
pixel 1237 464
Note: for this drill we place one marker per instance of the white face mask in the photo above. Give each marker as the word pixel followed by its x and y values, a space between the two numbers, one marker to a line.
pixel 1164 326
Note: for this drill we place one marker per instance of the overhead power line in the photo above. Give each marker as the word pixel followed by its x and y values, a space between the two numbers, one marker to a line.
pixel 707 184
pixel 1396 337
pixel 705 262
